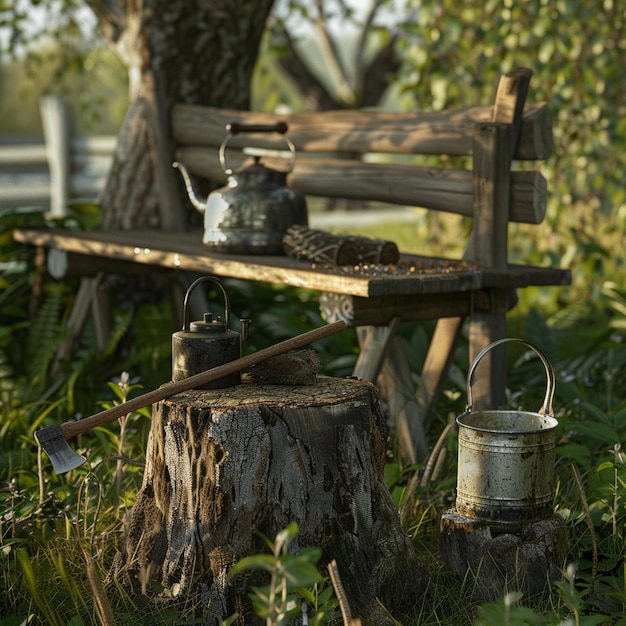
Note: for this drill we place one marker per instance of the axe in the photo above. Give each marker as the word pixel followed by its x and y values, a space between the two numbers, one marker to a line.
pixel 53 439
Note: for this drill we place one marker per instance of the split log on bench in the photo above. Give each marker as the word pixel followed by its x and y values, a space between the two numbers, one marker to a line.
pixel 224 464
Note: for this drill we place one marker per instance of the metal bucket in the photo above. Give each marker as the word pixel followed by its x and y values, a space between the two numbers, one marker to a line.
pixel 506 458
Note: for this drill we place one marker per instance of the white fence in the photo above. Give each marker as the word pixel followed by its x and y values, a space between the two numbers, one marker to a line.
pixel 61 168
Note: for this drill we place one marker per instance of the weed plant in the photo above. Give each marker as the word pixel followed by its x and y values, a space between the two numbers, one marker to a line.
pixel 59 534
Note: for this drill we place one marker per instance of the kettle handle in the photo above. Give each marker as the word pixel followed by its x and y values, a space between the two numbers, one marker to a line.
pixel 236 128
pixel 546 408
pixel 193 285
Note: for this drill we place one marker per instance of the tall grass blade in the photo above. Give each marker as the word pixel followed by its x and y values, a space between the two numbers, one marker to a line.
pixel 31 582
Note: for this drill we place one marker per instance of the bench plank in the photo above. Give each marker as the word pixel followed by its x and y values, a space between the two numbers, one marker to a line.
pixel 360 132
pixel 448 190
pixel 185 251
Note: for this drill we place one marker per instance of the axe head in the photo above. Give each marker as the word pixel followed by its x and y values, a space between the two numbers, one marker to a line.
pixel 55 445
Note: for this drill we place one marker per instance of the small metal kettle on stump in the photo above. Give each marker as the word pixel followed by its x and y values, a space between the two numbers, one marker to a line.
pixel 202 345
pixel 252 213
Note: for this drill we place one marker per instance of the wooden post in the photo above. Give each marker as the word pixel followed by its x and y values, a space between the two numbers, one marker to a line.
pixel 57 132
pixel 223 465
pixel 492 153
pixel 508 108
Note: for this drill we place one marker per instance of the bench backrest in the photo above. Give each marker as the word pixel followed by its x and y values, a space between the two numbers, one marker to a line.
pixel 349 154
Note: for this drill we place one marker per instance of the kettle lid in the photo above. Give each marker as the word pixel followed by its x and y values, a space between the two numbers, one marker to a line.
pixel 258 174
pixel 208 325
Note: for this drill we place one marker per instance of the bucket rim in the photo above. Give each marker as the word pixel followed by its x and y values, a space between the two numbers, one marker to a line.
pixel 553 422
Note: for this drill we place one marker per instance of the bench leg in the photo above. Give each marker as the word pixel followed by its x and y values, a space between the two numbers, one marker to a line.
pixel 382 359
pixel 398 388
pixel 85 301
pixel 485 327
pixel 373 343
pixel 436 364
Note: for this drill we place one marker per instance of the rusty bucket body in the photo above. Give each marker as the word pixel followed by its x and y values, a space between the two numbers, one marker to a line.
pixel 506 459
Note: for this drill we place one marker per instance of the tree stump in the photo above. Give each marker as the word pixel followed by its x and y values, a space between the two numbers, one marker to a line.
pixel 224 464
pixel 500 562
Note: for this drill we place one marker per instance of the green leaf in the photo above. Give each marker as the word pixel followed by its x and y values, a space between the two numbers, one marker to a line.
pixel 285 537
pixel 15 620
pixel 264 562
pixel 30 578
pixel 575 452
pixel 605 466
pixel 597 430
pixel 299 572
pixel 307 594
pixel 310 553
pixel 117 390
pixel 260 603
pixel 593 620
pixel 595 412
pixel 27 568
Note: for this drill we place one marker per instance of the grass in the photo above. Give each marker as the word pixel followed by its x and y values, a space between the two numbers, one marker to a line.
pixel 64 531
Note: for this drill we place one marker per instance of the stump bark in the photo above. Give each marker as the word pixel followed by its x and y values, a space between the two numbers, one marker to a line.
pixel 222 465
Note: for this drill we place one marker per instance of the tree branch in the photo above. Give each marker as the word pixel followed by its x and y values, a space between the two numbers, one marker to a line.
pixel 345 91
pixel 376 78
pixel 296 68
pixel 365 31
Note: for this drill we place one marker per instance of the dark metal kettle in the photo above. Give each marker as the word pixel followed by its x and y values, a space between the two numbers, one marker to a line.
pixel 204 344
pixel 252 213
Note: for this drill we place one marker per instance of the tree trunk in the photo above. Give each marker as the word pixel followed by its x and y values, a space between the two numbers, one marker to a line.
pixel 224 464
pixel 200 52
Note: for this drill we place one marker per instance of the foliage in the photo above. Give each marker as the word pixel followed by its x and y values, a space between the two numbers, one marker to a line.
pixel 29 24
pixel 452 54
pixel 53 49
pixel 506 613
pixel 288 593
pixel 338 54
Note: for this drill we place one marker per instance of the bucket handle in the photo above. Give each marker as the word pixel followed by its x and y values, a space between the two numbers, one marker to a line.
pixel 546 409
pixel 193 285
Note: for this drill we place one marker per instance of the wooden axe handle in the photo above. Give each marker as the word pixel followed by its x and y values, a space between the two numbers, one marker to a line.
pixel 72 429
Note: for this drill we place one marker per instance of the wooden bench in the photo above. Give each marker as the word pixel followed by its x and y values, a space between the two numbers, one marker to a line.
pixel 479 288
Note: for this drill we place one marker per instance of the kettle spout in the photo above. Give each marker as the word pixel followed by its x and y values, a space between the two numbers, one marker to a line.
pixel 199 203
